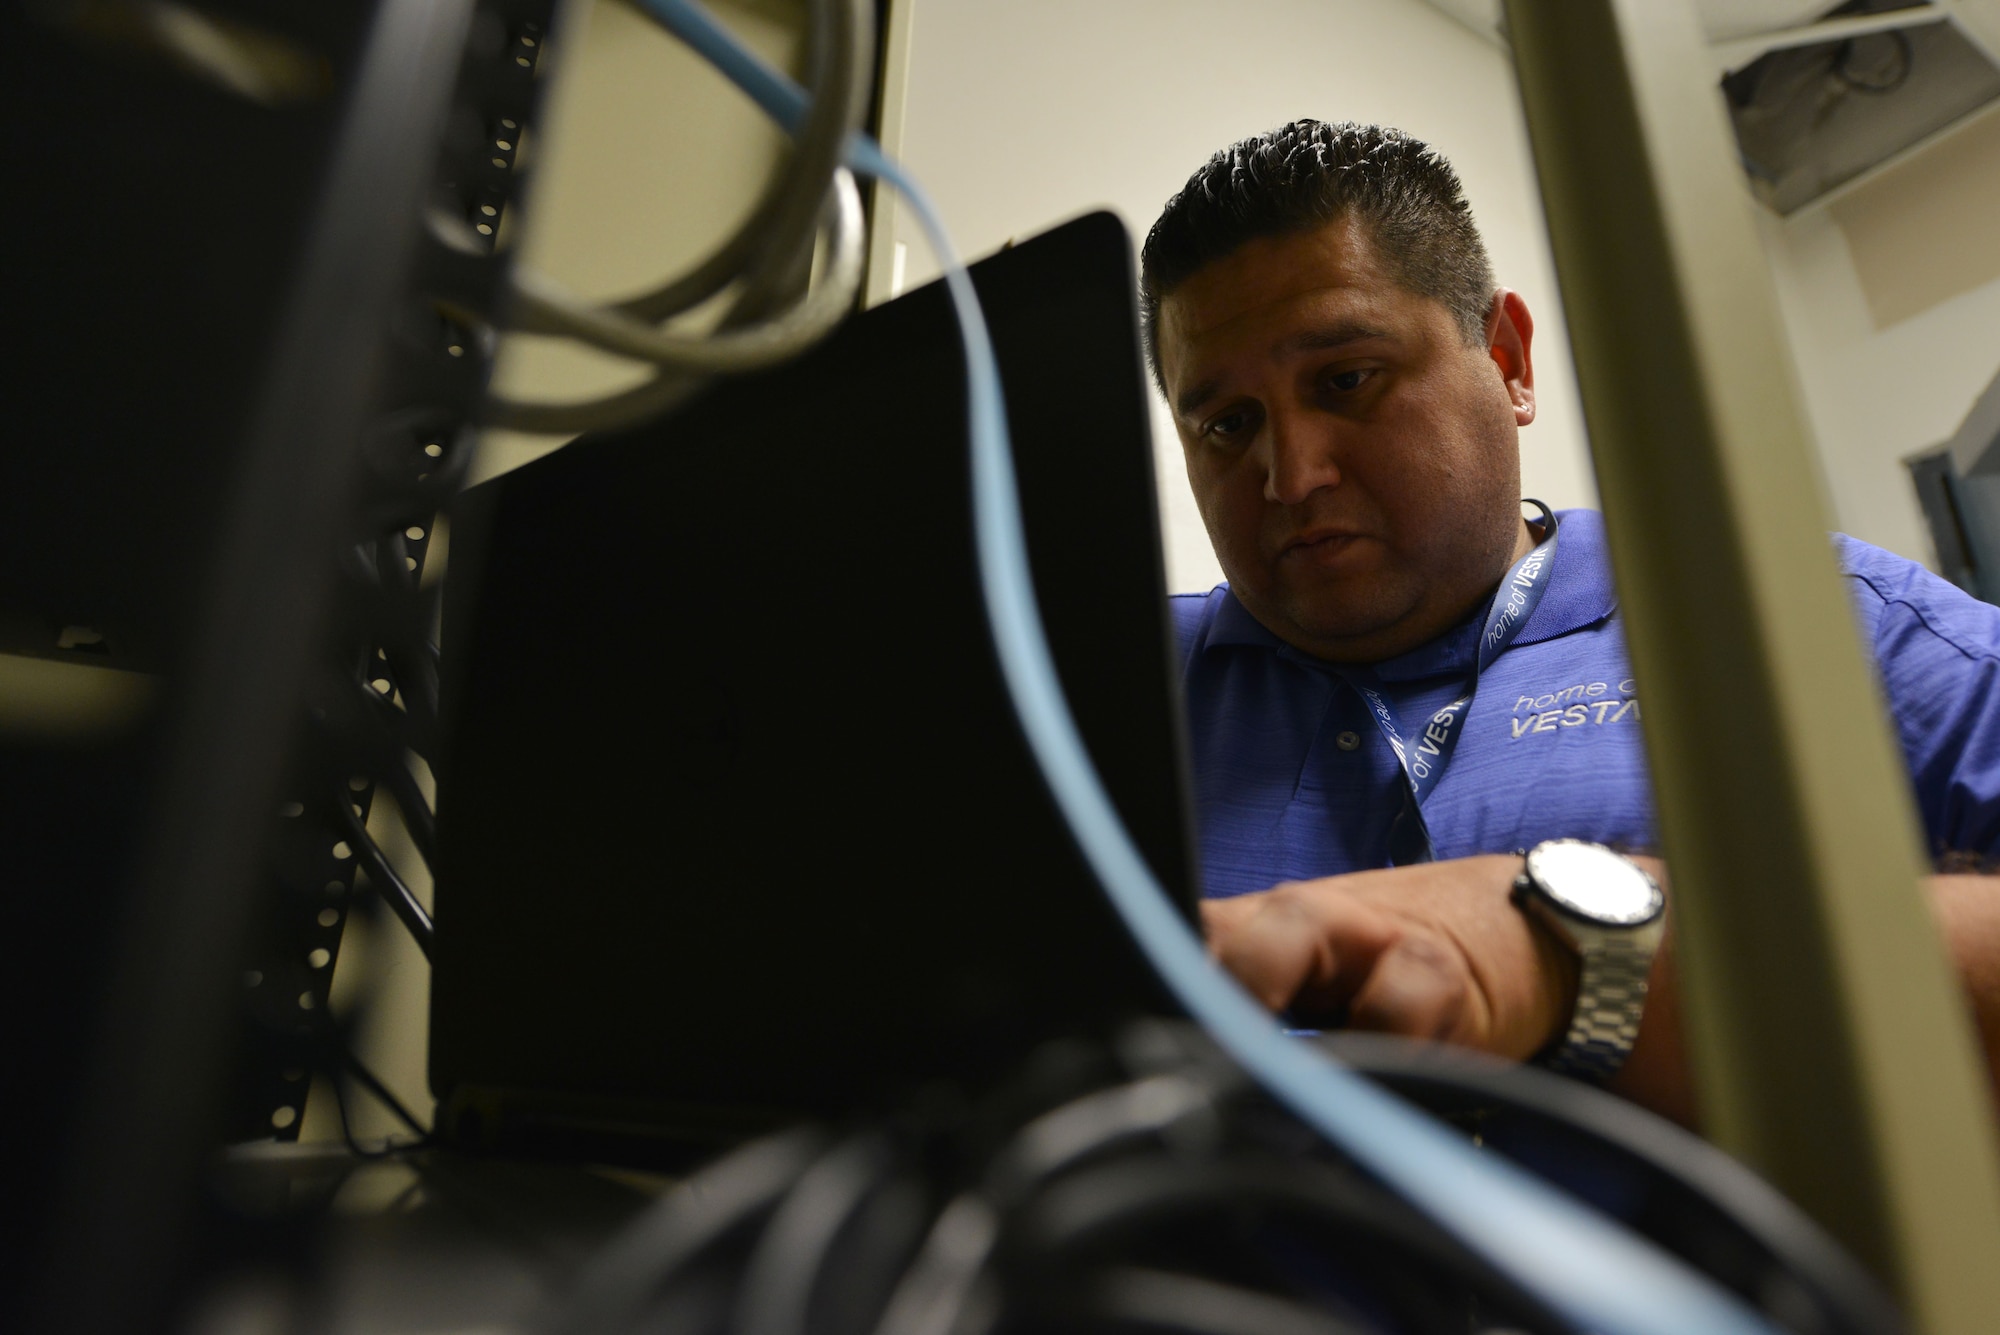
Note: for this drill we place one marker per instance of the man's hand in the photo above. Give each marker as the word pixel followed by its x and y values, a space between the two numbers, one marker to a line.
pixel 1436 951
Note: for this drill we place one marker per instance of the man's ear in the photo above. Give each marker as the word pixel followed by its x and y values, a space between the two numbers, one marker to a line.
pixel 1510 335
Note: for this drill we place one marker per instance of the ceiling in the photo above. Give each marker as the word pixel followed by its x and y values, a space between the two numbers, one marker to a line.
pixel 1723 19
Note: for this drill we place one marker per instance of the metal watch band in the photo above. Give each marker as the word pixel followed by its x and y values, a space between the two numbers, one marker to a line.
pixel 1608 910
pixel 1610 997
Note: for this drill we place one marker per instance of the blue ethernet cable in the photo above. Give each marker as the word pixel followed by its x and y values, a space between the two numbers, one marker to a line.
pixel 1587 1267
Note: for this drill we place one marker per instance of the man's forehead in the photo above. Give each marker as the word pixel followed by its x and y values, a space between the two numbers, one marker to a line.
pixel 1302 318
pixel 1275 297
pixel 1270 271
pixel 1276 289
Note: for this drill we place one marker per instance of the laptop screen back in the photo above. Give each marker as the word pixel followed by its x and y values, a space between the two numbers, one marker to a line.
pixel 735 818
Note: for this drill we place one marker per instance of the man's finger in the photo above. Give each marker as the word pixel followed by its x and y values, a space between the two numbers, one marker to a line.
pixel 1220 916
pixel 1417 989
pixel 1305 949
pixel 1272 949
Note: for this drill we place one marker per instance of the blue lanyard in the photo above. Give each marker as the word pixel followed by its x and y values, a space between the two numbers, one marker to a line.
pixel 1424 758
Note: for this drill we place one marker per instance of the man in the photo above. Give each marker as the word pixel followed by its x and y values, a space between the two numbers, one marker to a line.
pixel 1348 384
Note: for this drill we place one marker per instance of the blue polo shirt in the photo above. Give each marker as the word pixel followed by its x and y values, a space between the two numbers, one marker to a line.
pixel 1293 779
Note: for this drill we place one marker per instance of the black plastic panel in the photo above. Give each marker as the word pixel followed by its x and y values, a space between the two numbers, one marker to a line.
pixel 735 811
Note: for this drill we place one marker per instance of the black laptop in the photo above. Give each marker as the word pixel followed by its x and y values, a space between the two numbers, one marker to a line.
pixel 736 822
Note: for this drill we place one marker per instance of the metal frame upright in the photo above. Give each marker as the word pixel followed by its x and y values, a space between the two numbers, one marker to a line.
pixel 1831 1048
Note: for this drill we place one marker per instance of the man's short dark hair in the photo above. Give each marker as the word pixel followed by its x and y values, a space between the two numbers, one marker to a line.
pixel 1305 175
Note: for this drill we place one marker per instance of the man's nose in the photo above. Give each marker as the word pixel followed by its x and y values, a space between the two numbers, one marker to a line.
pixel 1299 459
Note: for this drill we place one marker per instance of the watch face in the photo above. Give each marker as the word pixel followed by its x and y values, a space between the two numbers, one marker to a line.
pixel 1593 882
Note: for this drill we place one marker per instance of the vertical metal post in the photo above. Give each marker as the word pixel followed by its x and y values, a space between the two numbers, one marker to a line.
pixel 1832 1048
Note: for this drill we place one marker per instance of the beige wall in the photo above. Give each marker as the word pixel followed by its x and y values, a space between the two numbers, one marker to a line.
pixel 1892 298
pixel 1928 229
pixel 1019 115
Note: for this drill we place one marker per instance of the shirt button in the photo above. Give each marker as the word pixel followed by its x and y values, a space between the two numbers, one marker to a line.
pixel 1347 741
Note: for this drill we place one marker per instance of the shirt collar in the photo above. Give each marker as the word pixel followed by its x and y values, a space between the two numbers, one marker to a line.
pixel 1579 594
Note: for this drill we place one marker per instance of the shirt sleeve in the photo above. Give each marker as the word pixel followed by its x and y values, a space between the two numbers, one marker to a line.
pixel 1938 651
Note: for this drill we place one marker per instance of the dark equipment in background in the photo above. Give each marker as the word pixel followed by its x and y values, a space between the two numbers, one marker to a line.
pixel 1958 485
pixel 1963 515
pixel 799 858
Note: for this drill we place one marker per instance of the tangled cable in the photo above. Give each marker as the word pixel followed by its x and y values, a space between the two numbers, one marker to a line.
pixel 1147 1185
pixel 1151 1188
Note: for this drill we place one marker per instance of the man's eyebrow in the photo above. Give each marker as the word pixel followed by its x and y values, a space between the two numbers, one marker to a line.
pixel 1331 336
pixel 1192 398
pixel 1312 340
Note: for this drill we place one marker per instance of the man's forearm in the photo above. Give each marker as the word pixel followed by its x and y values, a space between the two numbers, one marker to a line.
pixel 1657 1075
pixel 1439 951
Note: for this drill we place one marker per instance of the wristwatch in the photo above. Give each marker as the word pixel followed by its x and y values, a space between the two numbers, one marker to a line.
pixel 1606 908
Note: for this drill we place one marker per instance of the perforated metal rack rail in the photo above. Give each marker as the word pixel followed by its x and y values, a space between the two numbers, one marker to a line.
pixel 371 711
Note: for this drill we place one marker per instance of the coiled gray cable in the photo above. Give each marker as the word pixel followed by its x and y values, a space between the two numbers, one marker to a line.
pixel 543 306
pixel 765 258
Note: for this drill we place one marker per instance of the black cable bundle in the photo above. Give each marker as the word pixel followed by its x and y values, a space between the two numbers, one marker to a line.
pixel 1150 1187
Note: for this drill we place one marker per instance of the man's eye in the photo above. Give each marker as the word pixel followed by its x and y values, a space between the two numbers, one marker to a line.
pixel 1231 424
pixel 1346 382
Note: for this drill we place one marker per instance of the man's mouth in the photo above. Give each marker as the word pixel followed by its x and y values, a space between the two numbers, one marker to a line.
pixel 1320 544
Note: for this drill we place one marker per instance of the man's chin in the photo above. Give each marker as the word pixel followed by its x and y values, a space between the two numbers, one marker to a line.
pixel 1335 628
